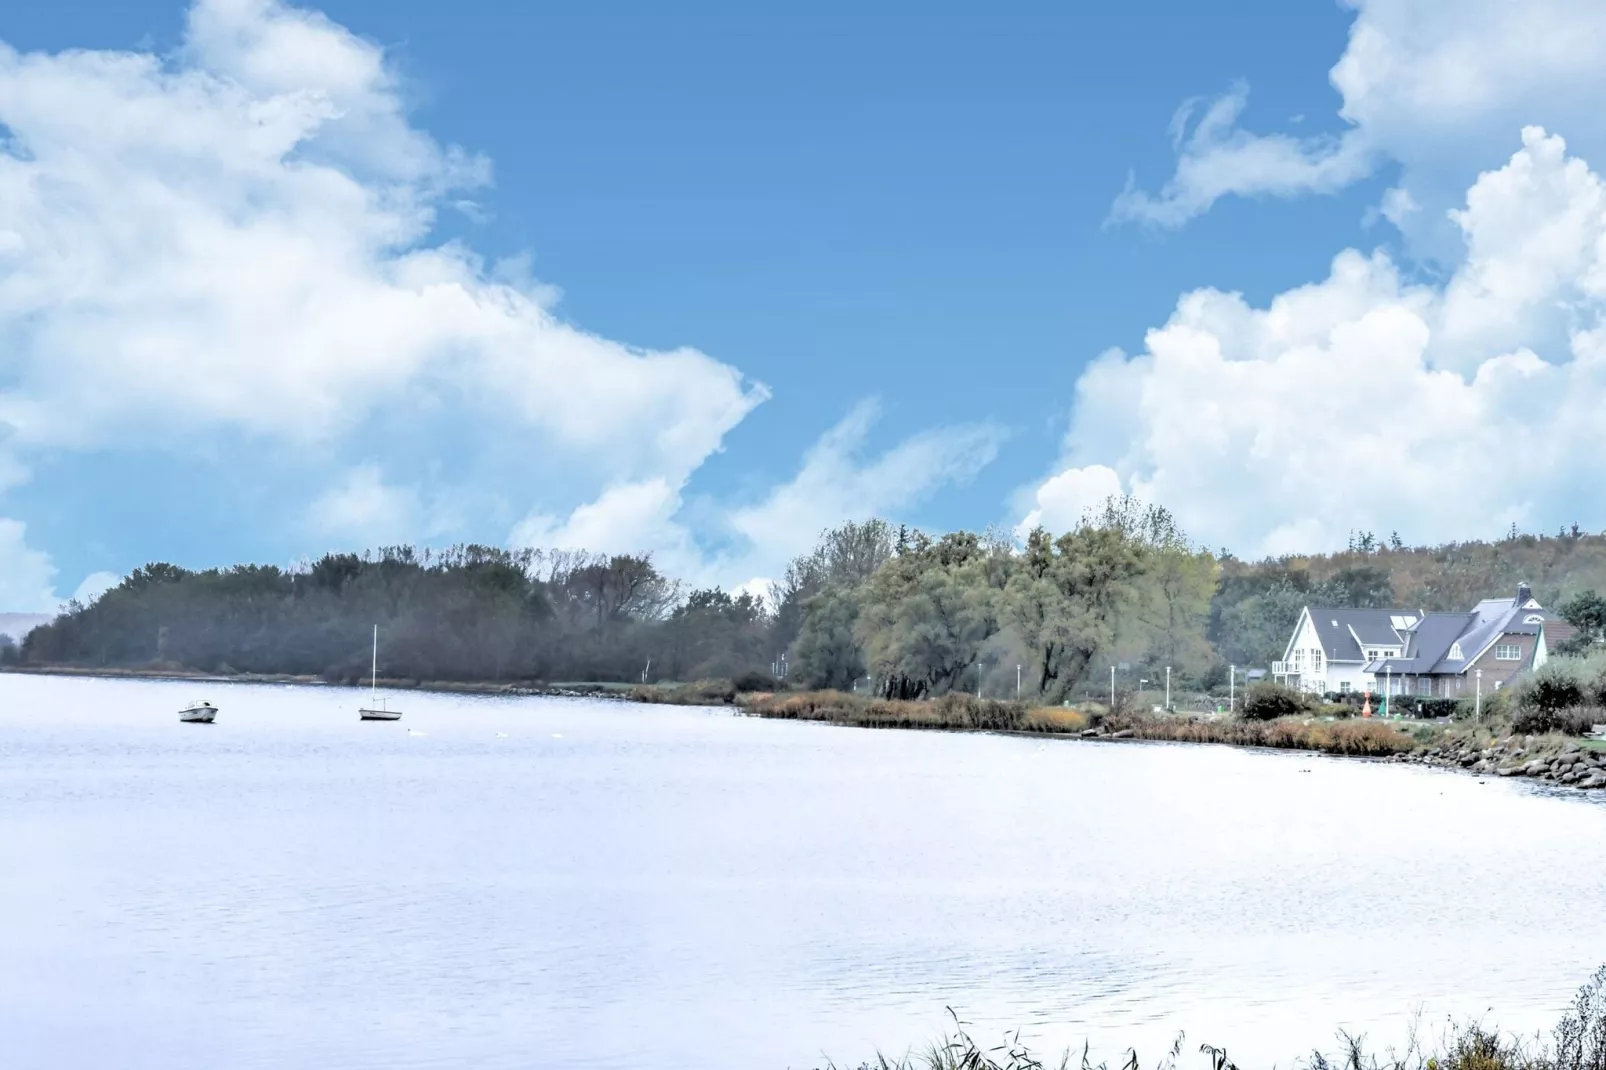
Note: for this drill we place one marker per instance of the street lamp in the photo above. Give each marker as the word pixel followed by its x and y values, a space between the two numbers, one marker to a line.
pixel 1477 703
pixel 1232 687
pixel 1168 688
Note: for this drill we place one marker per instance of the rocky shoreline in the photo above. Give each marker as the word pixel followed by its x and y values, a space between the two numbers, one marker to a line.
pixel 1569 764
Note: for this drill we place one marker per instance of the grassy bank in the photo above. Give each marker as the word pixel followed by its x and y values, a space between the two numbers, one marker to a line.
pixel 966 712
pixel 1578 1042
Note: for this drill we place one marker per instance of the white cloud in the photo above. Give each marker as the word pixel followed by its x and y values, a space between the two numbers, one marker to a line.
pixel 835 483
pixel 1061 500
pixel 1365 401
pixel 236 237
pixel 365 510
pixel 1432 84
pixel 27 578
pixel 1216 158
pixel 94 585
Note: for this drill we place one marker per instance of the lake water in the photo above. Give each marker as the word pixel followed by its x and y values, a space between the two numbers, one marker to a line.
pixel 568 883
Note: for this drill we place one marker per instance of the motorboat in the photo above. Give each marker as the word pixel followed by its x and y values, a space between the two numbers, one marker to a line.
pixel 376 710
pixel 200 712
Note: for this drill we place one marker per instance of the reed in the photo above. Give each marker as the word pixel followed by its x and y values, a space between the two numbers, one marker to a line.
pixel 966 712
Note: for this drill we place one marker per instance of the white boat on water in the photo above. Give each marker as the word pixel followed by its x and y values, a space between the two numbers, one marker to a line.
pixel 376 709
pixel 200 712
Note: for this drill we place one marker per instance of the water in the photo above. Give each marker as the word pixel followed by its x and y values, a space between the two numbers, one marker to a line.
pixel 566 883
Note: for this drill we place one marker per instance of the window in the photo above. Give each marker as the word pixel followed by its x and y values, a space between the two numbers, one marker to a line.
pixel 1508 652
pixel 1455 653
pixel 1534 618
pixel 1343 687
pixel 1299 661
pixel 1424 686
pixel 1371 655
pixel 1315 661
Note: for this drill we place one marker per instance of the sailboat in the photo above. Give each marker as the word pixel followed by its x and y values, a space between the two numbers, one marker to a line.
pixel 375 710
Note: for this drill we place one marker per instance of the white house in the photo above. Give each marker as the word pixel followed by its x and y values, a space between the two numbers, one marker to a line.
pixel 1409 652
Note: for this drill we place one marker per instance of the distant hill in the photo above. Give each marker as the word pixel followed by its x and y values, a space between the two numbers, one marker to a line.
pixel 18 625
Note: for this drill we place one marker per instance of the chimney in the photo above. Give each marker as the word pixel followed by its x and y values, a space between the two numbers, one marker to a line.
pixel 1524 593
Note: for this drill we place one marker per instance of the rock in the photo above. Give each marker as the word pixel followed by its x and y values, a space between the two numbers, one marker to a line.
pixel 1467 760
pixel 1572 777
pixel 1125 733
pixel 1593 780
pixel 1507 770
pixel 1089 733
pixel 1535 768
pixel 1571 748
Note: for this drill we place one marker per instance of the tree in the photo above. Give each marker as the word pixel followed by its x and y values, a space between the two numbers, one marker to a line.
pixel 1065 598
pixel 926 614
pixel 826 652
pixel 846 557
pixel 1587 613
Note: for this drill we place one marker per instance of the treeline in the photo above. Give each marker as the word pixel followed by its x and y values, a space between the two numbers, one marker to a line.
pixel 876 608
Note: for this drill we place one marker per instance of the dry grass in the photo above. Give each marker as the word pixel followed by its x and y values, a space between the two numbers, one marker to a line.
pixel 1353 737
pixel 966 712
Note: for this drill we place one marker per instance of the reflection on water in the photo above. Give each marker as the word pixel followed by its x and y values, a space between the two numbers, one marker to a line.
pixel 565 883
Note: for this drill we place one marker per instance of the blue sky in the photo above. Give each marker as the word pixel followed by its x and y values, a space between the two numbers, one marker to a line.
pixel 901 231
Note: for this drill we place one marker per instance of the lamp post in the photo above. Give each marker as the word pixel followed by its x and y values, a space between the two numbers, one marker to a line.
pixel 1017 681
pixel 1168 688
pixel 1112 688
pixel 1232 687
pixel 1477 703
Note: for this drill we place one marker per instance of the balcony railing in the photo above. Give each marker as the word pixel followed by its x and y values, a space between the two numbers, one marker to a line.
pixel 1284 668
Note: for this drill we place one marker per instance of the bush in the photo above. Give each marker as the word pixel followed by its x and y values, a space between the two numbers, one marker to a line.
pixel 1267 702
pixel 1571 720
pixel 758 681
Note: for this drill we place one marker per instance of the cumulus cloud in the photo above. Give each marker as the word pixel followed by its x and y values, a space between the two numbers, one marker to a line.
pixel 1431 84
pixel 238 237
pixel 1367 401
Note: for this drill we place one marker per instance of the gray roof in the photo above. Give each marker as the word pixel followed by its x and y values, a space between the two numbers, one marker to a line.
pixel 1490 619
pixel 1428 644
pixel 1338 628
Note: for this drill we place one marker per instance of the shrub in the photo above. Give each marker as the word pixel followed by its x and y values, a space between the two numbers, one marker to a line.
pixel 1570 720
pixel 1267 702
pixel 758 681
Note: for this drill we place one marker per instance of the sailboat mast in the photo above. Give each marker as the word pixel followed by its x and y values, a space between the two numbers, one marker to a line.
pixel 373 681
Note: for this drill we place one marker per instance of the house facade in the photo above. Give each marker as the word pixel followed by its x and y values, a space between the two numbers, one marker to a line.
pixel 1410 652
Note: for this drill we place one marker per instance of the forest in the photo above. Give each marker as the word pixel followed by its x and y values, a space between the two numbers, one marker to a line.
pixel 874 607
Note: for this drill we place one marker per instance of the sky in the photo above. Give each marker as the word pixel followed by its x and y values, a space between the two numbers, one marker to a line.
pixel 281 279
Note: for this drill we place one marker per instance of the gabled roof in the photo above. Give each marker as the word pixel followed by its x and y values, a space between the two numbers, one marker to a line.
pixel 1342 631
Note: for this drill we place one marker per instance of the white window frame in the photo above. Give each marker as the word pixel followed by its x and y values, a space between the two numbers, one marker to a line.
pixel 1508 651
pixel 1455 653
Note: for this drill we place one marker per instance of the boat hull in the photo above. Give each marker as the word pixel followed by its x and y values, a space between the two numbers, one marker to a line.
pixel 379 715
pixel 198 715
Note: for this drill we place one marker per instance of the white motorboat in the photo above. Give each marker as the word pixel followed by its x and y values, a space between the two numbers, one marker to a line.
pixel 200 712
pixel 376 710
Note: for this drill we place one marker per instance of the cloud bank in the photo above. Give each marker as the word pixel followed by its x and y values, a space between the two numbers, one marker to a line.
pixel 1369 401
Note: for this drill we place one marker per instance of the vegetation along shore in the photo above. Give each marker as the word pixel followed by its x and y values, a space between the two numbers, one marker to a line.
pixel 1577 1042
pixel 1122 628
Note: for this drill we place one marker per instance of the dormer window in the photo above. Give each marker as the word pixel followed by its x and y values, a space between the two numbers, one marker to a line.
pixel 1455 653
pixel 1534 618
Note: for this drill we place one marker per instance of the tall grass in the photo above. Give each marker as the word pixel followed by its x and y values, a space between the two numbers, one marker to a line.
pixel 1578 1042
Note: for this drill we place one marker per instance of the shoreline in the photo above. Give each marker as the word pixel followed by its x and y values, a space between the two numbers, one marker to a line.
pixel 1555 760
pixel 619 692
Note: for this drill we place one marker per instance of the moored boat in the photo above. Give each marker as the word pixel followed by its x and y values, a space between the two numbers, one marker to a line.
pixel 376 709
pixel 200 712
